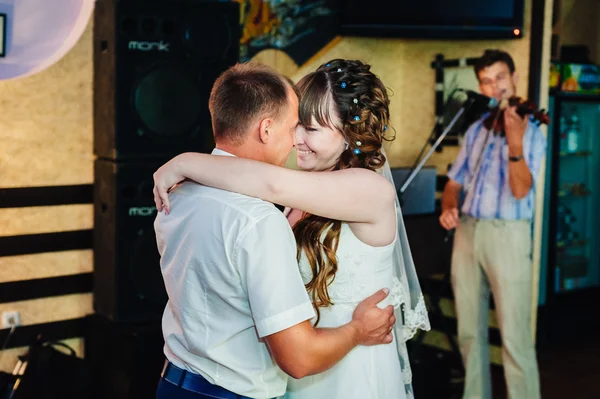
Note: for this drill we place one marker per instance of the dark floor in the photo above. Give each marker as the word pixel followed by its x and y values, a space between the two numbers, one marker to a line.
pixel 571 370
pixel 568 371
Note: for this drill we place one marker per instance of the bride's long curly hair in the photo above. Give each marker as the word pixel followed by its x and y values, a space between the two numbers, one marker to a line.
pixel 346 96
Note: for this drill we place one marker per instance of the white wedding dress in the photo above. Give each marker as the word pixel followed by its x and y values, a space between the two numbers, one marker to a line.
pixel 367 372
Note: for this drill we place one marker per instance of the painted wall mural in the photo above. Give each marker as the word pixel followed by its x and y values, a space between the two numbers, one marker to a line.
pixel 300 28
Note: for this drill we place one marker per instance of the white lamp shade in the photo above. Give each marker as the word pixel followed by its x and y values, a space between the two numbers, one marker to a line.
pixel 40 32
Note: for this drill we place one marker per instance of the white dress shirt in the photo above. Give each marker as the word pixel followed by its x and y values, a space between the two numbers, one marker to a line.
pixel 230 270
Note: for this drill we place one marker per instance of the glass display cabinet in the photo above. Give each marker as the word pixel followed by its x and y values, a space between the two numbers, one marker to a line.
pixel 570 261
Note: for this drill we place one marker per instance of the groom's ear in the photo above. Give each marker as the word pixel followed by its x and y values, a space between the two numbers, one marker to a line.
pixel 263 130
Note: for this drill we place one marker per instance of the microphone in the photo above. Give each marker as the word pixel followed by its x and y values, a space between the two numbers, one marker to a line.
pixel 481 100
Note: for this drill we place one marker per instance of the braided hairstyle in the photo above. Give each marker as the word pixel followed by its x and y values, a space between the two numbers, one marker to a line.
pixel 346 96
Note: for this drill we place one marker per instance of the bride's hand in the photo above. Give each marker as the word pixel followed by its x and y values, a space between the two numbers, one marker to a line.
pixel 164 178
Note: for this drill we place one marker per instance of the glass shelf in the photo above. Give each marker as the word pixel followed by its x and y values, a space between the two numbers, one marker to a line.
pixel 573 263
pixel 567 244
pixel 575 154
pixel 566 193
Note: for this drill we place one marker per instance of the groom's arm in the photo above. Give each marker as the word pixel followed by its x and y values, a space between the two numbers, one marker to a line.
pixel 303 350
pixel 281 308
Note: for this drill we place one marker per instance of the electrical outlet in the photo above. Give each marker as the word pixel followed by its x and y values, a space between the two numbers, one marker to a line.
pixel 11 318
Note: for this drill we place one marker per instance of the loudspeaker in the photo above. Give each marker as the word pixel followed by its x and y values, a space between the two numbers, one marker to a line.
pixel 125 360
pixel 128 284
pixel 155 62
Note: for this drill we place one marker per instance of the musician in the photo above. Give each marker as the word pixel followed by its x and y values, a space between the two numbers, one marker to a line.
pixel 496 173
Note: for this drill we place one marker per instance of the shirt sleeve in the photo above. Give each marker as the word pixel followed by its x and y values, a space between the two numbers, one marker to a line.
pixel 536 151
pixel 267 262
pixel 459 172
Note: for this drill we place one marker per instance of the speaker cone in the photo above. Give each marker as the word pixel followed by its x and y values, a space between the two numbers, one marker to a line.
pixel 168 101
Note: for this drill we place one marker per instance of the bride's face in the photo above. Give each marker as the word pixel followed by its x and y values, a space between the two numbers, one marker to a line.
pixel 318 148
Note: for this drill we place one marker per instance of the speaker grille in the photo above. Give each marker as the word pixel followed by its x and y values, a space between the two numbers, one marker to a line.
pixel 144 270
pixel 168 101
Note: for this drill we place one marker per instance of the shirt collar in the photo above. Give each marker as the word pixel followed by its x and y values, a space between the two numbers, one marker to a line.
pixel 217 151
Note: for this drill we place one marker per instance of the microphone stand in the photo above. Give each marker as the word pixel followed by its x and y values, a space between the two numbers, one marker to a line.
pixel 420 165
pixel 464 108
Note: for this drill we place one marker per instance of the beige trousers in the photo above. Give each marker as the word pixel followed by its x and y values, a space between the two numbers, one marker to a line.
pixel 495 254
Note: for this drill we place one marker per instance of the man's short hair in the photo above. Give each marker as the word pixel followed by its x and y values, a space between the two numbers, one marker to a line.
pixel 243 93
pixel 490 57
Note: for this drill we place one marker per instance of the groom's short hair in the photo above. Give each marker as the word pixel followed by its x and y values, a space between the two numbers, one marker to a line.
pixel 243 93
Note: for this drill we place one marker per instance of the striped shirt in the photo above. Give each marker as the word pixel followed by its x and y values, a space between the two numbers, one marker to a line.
pixel 488 194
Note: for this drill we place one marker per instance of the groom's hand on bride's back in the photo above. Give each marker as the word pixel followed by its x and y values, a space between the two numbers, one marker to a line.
pixel 303 350
pixel 374 324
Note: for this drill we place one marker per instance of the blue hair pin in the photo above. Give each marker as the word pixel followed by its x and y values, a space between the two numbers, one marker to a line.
pixel 328 65
pixel 384 128
pixel 343 85
pixel 356 118
pixel 357 150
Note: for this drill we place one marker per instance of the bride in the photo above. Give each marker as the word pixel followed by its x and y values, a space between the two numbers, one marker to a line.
pixel 346 219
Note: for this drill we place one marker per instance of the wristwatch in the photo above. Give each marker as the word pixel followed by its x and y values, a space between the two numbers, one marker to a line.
pixel 515 159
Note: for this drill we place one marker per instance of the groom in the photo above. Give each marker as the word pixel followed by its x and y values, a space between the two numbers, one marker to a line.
pixel 238 314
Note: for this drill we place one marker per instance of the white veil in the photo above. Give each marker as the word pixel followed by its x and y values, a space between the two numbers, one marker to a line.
pixel 411 311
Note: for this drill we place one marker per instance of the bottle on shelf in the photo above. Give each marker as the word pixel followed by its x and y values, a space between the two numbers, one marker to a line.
pixel 563 134
pixel 560 222
pixel 565 232
pixel 573 134
pixel 569 221
pixel 569 216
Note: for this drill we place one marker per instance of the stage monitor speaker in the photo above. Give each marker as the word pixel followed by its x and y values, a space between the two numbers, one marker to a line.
pixel 128 284
pixel 125 360
pixel 155 63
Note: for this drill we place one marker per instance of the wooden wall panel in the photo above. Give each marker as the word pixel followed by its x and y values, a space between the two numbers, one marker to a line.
pixel 46 135
pixel 46 219
pixel 51 264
